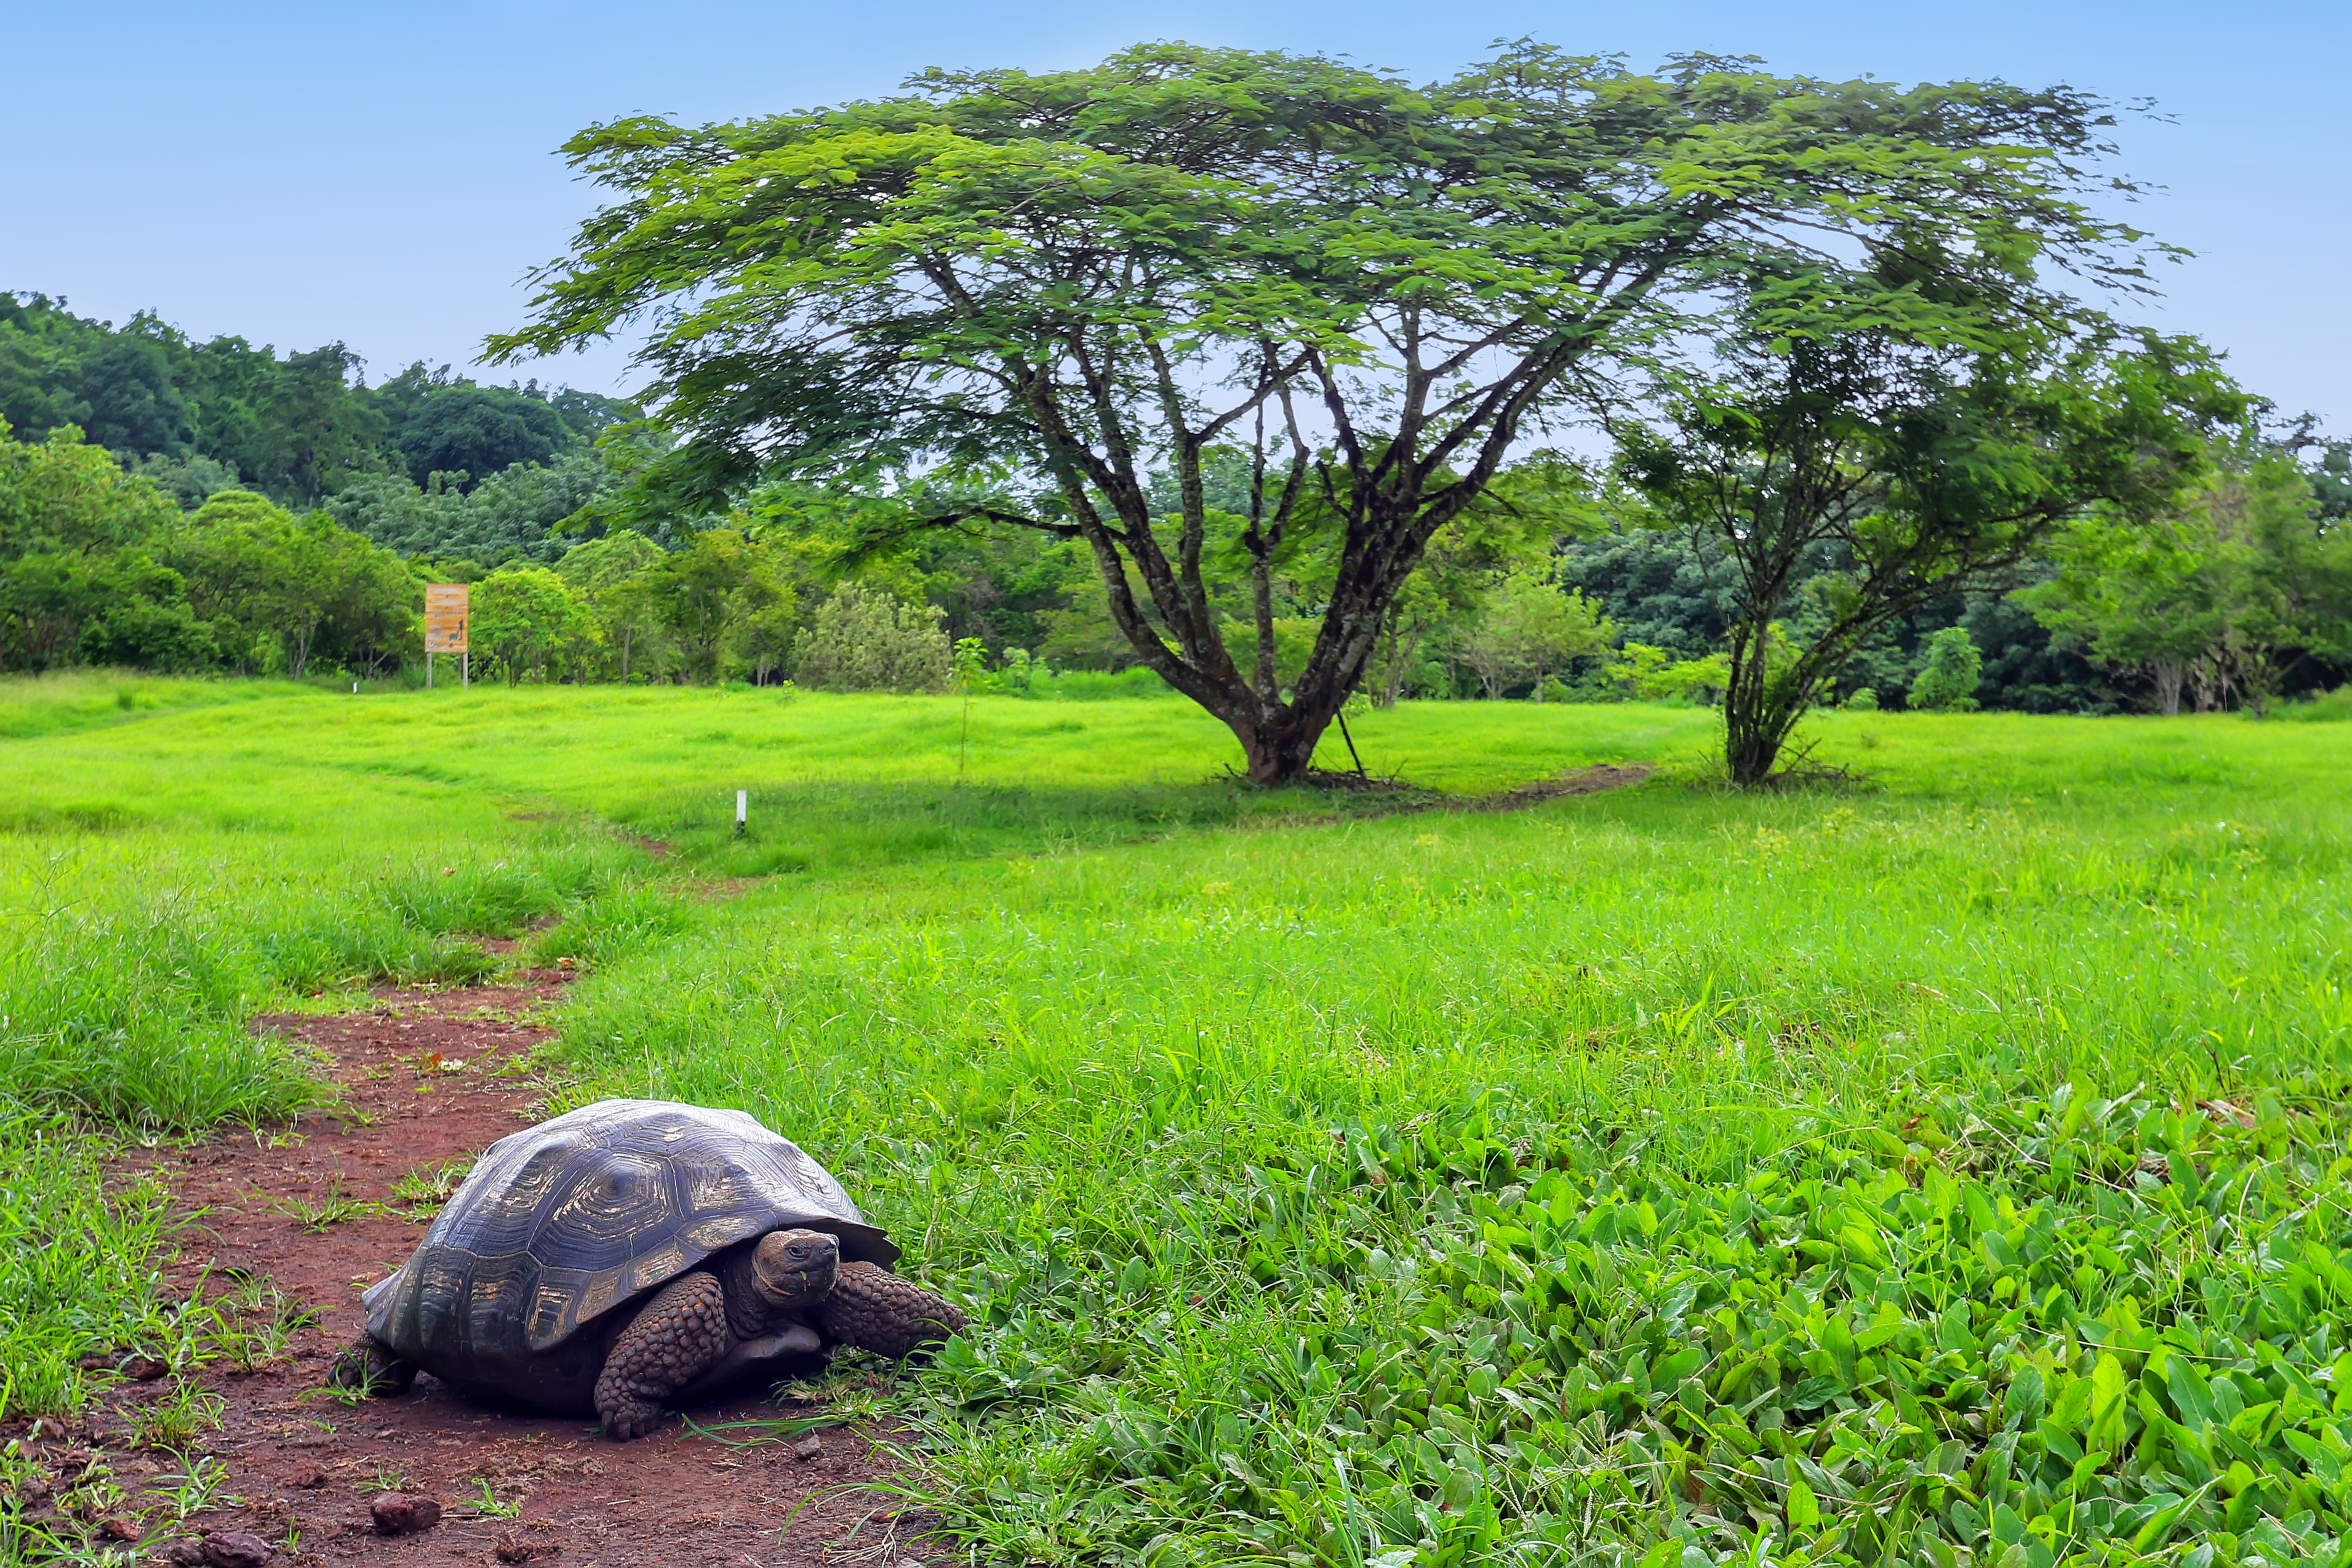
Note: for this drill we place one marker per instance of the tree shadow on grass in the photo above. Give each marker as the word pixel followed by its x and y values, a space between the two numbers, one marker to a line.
pixel 845 826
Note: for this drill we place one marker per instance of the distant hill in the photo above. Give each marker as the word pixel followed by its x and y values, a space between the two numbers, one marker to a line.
pixel 199 417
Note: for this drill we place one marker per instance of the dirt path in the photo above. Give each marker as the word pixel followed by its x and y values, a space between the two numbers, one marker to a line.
pixel 435 1078
pixel 1596 780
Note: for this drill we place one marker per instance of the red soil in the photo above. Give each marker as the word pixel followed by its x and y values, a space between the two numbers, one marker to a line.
pixel 438 1076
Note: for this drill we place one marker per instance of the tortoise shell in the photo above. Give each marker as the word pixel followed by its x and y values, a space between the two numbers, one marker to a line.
pixel 513 1290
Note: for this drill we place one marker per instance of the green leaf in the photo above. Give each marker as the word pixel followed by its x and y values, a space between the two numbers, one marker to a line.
pixel 1814 1393
pixel 1983 1218
pixel 1838 1339
pixel 2158 1526
pixel 1805 1510
pixel 2108 1388
pixel 2021 1408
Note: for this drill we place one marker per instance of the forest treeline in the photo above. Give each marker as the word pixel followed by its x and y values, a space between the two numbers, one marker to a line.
pixel 216 505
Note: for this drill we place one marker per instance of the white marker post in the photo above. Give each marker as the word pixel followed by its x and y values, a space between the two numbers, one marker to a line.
pixel 743 810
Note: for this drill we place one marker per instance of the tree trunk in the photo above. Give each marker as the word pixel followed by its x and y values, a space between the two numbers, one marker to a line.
pixel 1750 747
pixel 1396 649
pixel 1281 749
pixel 2170 675
pixel 1268 665
pixel 1756 720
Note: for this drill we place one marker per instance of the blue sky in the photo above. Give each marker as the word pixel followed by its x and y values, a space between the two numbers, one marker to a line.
pixel 383 175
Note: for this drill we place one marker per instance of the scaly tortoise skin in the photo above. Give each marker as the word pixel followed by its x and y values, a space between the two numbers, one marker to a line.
pixel 634 1252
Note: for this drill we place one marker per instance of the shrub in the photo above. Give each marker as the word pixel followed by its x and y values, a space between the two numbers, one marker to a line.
pixel 868 640
pixel 2335 706
pixel 1643 674
pixel 1947 682
pixel 1865 700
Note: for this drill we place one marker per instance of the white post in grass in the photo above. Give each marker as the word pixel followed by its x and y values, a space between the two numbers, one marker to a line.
pixel 743 810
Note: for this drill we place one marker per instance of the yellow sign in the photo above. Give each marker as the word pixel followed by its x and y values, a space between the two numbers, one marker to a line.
pixel 445 618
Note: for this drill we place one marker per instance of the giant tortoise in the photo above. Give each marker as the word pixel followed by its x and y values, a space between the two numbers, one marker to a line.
pixel 634 1252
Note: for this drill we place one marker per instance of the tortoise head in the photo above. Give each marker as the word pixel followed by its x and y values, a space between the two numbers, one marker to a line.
pixel 795 1268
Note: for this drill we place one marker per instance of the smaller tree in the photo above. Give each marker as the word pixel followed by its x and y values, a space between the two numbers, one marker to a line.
pixel 864 639
pixel 76 579
pixel 528 620
pixel 1513 530
pixel 1525 629
pixel 45 602
pixel 258 574
pixel 699 590
pixel 141 618
pixel 2214 601
pixel 374 612
pixel 1898 446
pixel 615 576
pixel 1949 679
pixel 761 622
pixel 64 496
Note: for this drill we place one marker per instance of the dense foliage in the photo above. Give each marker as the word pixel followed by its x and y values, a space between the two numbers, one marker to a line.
pixel 2224 601
pixel 1561 583
pixel 1087 278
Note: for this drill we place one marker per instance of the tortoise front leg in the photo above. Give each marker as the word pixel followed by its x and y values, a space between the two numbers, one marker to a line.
pixel 677 1335
pixel 875 1309
pixel 368 1369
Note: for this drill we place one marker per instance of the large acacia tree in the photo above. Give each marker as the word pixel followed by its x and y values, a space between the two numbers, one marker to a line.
pixel 1372 288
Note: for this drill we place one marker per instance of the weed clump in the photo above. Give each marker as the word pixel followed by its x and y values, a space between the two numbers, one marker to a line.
pixel 82 1312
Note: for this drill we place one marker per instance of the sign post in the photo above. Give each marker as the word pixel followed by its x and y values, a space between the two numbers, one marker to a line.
pixel 446 611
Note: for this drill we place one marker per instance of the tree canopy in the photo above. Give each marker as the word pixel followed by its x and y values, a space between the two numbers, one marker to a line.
pixel 1373 289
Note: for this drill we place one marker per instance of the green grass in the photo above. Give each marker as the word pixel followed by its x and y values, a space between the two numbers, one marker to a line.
pixel 86 698
pixel 2336 706
pixel 75 1266
pixel 1947 1168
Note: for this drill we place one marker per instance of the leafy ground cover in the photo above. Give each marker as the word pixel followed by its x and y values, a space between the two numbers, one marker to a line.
pixel 1945 1169
pixel 1883 1173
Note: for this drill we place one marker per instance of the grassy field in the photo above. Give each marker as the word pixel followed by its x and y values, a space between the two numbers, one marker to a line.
pixel 1947 1168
